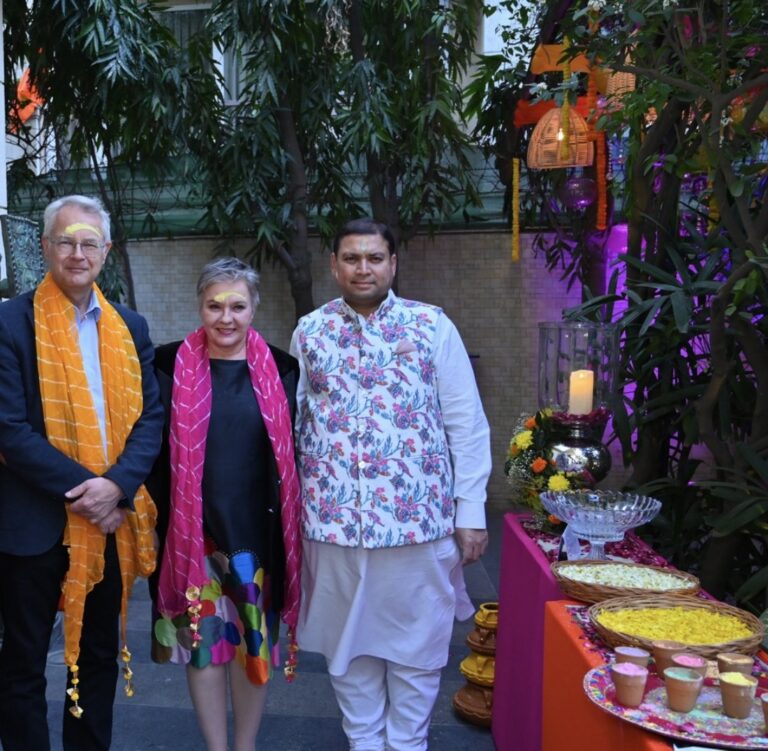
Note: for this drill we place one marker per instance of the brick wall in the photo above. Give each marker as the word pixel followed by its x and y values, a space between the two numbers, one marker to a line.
pixel 495 304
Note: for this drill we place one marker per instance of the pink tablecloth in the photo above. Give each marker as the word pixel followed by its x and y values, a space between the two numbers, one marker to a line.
pixel 525 584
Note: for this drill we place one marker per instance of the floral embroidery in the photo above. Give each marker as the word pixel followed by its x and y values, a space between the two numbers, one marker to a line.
pixel 372 451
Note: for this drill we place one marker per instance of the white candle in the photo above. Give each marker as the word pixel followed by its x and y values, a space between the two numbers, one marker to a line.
pixel 582 386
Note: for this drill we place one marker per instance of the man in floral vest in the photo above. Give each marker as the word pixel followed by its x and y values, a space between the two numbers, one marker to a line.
pixel 394 457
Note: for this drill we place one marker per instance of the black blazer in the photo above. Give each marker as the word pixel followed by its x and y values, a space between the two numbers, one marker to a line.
pixel 34 475
pixel 159 482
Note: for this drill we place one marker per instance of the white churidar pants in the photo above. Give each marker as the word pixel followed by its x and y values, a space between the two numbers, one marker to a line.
pixel 386 705
pixel 383 620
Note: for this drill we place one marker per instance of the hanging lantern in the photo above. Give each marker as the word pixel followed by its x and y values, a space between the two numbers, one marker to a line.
pixel 619 84
pixel 578 192
pixel 544 149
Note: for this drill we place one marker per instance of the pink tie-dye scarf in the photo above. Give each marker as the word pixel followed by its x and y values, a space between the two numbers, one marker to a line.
pixel 183 559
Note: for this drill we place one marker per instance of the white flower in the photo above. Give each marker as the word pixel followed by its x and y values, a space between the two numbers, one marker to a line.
pixel 624 575
pixel 595 6
pixel 667 4
pixel 538 88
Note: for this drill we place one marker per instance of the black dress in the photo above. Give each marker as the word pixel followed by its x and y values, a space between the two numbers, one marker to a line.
pixel 239 618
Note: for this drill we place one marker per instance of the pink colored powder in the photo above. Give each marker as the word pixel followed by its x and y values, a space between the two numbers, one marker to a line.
pixel 689 661
pixel 629 668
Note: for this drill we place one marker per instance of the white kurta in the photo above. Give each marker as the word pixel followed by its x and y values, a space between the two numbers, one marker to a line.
pixel 369 596
pixel 397 604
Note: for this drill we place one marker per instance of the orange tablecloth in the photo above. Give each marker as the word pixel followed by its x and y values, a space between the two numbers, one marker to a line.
pixel 569 719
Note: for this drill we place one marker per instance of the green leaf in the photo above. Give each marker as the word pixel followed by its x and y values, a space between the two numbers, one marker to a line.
pixel 681 308
pixel 736 188
pixel 754 459
pixel 743 514
pixel 650 270
pixel 755 585
pixel 651 315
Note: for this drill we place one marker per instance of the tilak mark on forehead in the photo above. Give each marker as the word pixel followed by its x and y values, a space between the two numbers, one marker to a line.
pixel 224 296
pixel 363 245
pixel 77 226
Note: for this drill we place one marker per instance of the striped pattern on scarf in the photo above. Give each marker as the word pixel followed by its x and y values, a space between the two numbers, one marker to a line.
pixel 183 563
pixel 72 426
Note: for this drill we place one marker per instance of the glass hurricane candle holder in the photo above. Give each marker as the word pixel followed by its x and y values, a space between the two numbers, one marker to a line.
pixel 578 367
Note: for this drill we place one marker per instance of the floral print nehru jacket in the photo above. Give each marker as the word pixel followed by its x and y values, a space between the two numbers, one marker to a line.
pixel 373 458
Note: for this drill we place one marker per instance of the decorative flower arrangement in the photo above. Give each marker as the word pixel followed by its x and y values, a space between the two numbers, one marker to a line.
pixel 528 469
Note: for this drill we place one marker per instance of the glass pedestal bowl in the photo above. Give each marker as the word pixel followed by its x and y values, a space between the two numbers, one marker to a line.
pixel 600 516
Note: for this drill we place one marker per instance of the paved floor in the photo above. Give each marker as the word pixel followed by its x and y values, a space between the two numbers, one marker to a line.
pixel 301 716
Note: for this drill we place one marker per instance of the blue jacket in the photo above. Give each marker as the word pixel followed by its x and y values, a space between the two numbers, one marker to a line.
pixel 33 474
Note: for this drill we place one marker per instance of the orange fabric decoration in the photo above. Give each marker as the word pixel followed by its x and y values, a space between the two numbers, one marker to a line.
pixel 566 660
pixel 72 426
pixel 546 58
pixel 28 99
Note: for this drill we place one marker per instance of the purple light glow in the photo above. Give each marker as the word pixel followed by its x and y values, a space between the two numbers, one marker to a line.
pixel 578 193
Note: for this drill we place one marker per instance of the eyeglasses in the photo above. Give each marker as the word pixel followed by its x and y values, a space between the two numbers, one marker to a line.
pixel 65 246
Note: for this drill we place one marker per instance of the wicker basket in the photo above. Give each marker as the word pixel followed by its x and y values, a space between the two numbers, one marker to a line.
pixel 544 146
pixel 619 84
pixel 746 645
pixel 587 592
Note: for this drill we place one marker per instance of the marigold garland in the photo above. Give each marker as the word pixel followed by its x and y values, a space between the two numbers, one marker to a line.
pixel 565 111
pixel 515 209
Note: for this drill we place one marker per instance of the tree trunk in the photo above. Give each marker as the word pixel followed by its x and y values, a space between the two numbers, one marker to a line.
pixel 296 257
pixel 301 290
pixel 109 191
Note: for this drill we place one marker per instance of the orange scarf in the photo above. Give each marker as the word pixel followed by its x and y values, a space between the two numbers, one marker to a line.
pixel 72 426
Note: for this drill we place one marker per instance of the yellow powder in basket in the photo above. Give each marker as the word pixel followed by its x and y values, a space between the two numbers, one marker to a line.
pixel 688 626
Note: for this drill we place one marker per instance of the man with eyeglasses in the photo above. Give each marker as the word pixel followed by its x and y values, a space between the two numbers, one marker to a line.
pixel 80 427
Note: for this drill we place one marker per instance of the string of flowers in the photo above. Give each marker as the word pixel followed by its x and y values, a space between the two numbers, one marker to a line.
pixel 527 467
pixel 515 209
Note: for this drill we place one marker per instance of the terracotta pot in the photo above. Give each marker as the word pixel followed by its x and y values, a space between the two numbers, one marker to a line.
pixel 690 661
pixel 738 693
pixel 683 688
pixel 487 615
pixel 482 640
pixel 474 703
pixel 478 669
pixel 733 662
pixel 629 681
pixel 663 651
pixel 635 655
pixel 764 705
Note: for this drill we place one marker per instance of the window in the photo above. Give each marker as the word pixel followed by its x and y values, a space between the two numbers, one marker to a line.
pixel 185 21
